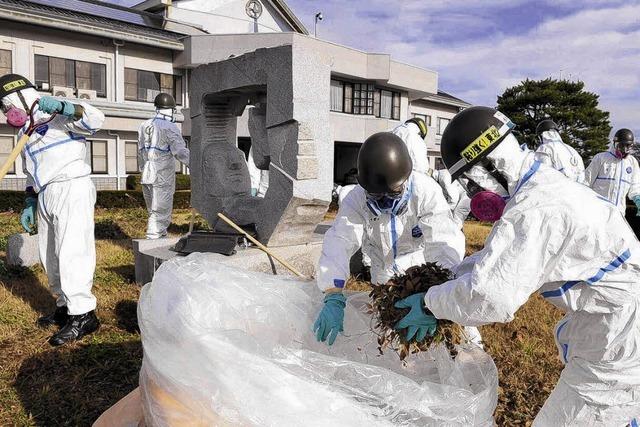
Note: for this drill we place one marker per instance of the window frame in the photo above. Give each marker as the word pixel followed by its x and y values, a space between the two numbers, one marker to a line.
pixel 137 169
pixel 106 156
pixel 176 78
pixel 372 96
pixel 75 87
pixel 12 170
pixel 440 130
pixel 341 110
pixel 10 53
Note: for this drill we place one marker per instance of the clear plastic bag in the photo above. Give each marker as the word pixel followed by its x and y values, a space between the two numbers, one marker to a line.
pixel 224 346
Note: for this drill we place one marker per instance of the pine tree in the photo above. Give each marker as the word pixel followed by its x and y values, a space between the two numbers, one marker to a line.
pixel 582 124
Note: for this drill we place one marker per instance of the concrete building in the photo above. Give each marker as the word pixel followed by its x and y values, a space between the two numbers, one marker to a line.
pixel 119 58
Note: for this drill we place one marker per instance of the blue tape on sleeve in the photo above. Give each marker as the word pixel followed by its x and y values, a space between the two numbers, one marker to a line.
pixel 338 283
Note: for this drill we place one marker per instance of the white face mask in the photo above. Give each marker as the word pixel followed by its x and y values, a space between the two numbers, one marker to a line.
pixel 481 176
pixel 167 113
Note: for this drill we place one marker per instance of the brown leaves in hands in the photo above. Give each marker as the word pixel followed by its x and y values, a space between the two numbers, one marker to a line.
pixel 386 315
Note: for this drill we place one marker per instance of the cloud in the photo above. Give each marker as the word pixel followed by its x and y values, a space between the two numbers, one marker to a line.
pixel 481 48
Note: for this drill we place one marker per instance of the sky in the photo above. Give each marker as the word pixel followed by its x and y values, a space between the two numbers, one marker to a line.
pixel 481 47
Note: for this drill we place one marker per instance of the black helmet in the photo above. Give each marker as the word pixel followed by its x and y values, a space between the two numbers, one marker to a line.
pixel 384 163
pixel 470 136
pixel 10 83
pixel 421 125
pixel 623 136
pixel 546 125
pixel 164 100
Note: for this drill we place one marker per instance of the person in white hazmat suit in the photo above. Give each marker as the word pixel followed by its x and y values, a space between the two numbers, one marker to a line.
pixel 413 132
pixel 454 194
pixel 259 178
pixel 61 196
pixel 554 152
pixel 159 142
pixel 400 219
pixel 556 237
pixel 614 174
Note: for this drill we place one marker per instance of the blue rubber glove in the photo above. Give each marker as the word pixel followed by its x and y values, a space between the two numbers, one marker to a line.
pixel 419 323
pixel 28 217
pixel 50 105
pixel 636 200
pixel 331 318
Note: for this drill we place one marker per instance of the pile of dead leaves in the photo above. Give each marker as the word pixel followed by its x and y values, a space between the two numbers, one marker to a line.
pixel 386 315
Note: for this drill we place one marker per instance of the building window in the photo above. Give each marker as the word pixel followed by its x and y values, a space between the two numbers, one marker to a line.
pixel 439 164
pixel 131 157
pixel 6 146
pixel 98 156
pixel 348 98
pixel 77 75
pixel 144 86
pixel 442 125
pixel 425 117
pixel 337 96
pixel 6 66
pixel 363 98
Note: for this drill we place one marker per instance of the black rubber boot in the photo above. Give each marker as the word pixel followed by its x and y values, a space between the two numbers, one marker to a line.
pixel 77 327
pixel 58 318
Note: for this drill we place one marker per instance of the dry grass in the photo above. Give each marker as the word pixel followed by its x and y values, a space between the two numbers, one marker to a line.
pixel 74 384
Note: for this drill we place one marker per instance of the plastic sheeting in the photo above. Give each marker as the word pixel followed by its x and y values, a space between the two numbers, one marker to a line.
pixel 224 346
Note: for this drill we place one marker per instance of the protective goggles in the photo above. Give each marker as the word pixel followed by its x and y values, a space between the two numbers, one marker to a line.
pixel 395 194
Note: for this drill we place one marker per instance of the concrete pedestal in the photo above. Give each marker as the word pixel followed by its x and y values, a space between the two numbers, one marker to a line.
pixel 22 250
pixel 150 254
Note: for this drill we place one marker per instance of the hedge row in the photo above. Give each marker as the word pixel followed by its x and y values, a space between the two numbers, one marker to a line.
pixel 14 200
pixel 183 182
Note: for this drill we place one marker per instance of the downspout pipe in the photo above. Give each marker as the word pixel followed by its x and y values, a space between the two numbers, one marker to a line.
pixel 111 133
pixel 116 94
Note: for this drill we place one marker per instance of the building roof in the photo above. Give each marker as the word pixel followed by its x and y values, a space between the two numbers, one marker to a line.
pixel 288 14
pixel 93 17
pixel 279 5
pixel 443 97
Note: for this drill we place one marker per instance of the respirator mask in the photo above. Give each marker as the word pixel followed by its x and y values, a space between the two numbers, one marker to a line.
pixel 488 190
pixel 15 108
pixel 622 149
pixel 393 203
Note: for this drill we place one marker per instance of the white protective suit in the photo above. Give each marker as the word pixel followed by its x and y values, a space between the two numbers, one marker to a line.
pixel 343 191
pixel 425 231
pixel 455 195
pixel 259 178
pixel 410 134
pixel 560 156
pixel 54 161
pixel 559 238
pixel 614 178
pixel 159 141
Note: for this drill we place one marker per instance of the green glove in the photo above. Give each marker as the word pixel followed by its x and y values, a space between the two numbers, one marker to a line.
pixel 50 105
pixel 28 217
pixel 636 200
pixel 331 318
pixel 419 323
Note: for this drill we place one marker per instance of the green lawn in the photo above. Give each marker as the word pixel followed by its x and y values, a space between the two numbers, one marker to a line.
pixel 74 384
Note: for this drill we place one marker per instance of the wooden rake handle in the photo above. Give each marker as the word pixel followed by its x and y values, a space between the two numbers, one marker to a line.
pixel 261 246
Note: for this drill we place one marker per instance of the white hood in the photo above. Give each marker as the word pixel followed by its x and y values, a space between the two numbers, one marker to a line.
pixel 30 96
